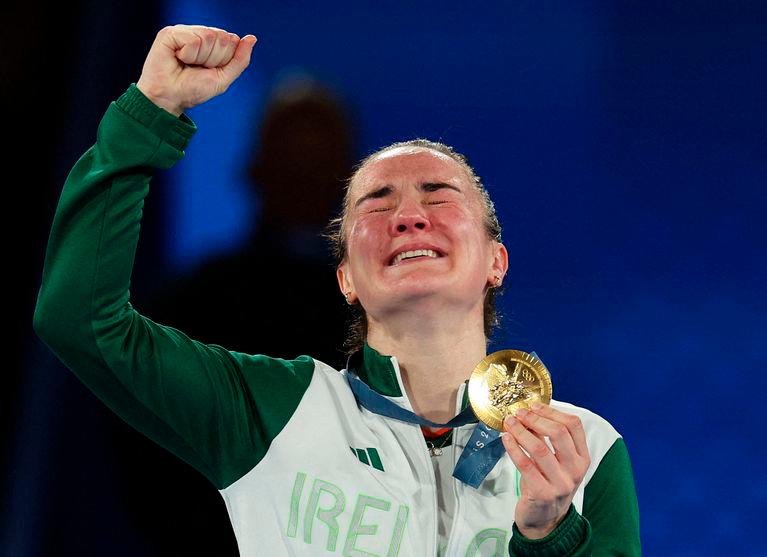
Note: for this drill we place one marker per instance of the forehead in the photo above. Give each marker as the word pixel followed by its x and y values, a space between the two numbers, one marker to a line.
pixel 408 165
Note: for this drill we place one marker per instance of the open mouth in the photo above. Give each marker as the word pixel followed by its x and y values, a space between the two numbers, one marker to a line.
pixel 418 253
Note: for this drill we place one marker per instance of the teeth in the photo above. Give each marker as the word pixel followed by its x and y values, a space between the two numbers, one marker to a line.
pixel 416 253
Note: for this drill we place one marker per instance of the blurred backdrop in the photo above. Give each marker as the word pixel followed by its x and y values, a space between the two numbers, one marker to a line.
pixel 624 145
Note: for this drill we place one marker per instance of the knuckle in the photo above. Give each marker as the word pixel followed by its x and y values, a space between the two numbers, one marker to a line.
pixel 562 488
pixel 574 422
pixel 539 450
pixel 560 431
pixel 558 493
pixel 525 466
pixel 569 486
pixel 581 471
pixel 547 495
pixel 545 410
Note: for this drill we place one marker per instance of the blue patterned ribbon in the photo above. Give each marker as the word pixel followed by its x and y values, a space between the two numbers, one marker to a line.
pixel 478 458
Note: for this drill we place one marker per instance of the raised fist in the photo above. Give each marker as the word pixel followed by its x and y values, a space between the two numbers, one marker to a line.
pixel 189 64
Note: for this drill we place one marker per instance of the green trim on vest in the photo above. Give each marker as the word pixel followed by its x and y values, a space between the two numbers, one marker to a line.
pixel 465 399
pixel 276 407
pixel 377 371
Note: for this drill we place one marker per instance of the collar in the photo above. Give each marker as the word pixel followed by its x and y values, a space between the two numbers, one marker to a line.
pixel 483 449
pixel 380 372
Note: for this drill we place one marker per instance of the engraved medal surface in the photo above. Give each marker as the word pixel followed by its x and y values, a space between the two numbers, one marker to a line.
pixel 506 381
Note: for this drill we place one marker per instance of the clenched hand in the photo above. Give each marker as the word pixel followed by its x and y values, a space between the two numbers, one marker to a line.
pixel 189 64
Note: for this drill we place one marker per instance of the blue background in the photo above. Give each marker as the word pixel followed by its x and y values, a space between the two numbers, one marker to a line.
pixel 624 145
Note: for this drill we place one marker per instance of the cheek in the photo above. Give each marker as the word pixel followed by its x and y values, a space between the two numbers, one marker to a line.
pixel 466 227
pixel 479 248
pixel 364 240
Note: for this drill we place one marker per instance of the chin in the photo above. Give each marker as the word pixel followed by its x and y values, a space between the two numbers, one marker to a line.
pixel 418 291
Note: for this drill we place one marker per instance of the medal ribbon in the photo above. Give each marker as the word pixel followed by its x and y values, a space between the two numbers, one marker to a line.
pixel 481 453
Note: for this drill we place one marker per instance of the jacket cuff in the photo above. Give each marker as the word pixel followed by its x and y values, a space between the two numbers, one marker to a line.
pixel 571 538
pixel 175 131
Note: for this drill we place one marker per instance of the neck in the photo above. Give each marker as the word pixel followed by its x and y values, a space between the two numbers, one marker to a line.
pixel 434 360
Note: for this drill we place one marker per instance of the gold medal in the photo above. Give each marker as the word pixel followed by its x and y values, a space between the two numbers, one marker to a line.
pixel 506 381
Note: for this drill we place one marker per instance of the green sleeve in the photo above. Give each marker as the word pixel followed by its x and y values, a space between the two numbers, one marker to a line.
pixel 610 505
pixel 610 522
pixel 572 538
pixel 213 408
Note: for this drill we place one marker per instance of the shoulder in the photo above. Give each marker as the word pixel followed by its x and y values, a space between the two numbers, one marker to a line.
pixel 299 374
pixel 593 423
pixel 600 434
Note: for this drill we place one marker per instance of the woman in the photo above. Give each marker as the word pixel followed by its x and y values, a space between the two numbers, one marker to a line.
pixel 305 464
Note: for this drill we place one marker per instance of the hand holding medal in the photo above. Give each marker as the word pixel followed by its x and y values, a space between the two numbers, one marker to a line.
pixel 510 391
pixel 506 381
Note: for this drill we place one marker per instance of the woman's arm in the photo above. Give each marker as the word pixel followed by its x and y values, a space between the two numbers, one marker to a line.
pixel 202 402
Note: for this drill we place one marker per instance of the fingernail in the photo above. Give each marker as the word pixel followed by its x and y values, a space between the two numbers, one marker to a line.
pixel 510 421
pixel 537 405
pixel 521 413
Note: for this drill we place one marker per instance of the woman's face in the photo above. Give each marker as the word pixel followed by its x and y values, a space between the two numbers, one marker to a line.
pixel 415 231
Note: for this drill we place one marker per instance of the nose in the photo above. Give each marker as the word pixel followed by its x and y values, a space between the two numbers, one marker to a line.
pixel 408 217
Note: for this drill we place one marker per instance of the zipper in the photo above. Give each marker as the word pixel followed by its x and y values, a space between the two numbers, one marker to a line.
pixel 425 457
pixel 435 509
pixel 455 484
pixel 456 498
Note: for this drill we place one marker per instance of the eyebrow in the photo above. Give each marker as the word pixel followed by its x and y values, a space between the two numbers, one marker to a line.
pixel 388 189
pixel 432 186
pixel 375 194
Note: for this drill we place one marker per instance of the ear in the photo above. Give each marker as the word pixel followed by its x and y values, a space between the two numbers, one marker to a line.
pixel 345 283
pixel 500 264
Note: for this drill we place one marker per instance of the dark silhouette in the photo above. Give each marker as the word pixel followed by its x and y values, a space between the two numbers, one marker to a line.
pixel 279 295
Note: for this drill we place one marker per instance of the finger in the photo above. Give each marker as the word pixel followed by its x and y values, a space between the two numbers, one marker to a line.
pixel 538 450
pixel 223 50
pixel 527 468
pixel 192 47
pixel 240 60
pixel 558 434
pixel 199 45
pixel 231 47
pixel 213 40
pixel 181 40
pixel 570 421
pixel 208 38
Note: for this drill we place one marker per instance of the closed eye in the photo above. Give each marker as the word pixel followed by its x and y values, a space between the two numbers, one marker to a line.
pixel 375 194
pixel 442 188
pixel 436 186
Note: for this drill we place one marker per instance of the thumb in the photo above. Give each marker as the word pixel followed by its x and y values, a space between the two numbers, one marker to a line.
pixel 240 60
